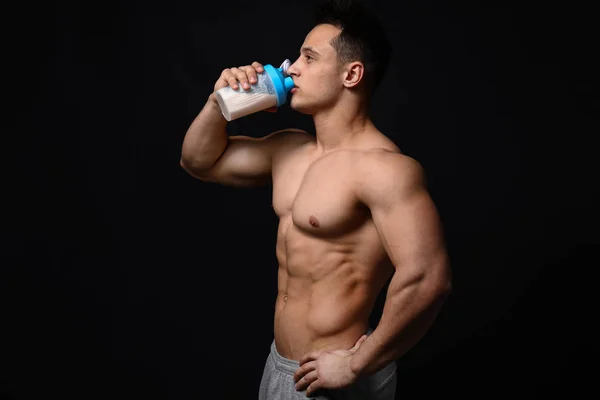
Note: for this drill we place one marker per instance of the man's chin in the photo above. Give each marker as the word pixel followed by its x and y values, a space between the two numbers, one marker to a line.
pixel 299 108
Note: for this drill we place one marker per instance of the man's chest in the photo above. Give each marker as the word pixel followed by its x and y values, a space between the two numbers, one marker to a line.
pixel 318 194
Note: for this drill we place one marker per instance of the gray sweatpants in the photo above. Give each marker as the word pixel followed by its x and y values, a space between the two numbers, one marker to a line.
pixel 277 383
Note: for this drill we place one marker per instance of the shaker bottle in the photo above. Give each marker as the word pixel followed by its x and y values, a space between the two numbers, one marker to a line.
pixel 270 91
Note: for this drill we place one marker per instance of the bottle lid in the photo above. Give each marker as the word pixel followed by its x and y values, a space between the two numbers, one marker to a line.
pixel 282 82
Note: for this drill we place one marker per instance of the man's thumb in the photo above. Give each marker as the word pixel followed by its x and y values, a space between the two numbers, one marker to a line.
pixel 359 342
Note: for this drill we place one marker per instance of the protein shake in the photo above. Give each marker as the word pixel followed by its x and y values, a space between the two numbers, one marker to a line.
pixel 270 91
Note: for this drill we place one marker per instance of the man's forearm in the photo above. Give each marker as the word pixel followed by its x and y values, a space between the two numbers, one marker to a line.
pixel 408 312
pixel 206 138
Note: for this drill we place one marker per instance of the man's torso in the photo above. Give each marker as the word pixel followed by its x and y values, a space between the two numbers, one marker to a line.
pixel 332 264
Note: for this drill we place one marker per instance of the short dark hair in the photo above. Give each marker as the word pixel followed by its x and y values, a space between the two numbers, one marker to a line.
pixel 362 38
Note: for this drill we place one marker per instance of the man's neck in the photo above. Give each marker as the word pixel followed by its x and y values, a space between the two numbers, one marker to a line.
pixel 336 128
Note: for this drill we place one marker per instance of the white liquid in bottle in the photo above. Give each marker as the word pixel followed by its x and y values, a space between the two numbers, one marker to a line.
pixel 236 104
pixel 239 103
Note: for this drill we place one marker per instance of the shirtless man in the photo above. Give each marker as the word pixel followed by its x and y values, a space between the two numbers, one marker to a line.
pixel 353 213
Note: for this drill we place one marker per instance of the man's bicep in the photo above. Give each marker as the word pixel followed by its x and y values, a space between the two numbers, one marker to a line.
pixel 410 228
pixel 405 215
pixel 246 161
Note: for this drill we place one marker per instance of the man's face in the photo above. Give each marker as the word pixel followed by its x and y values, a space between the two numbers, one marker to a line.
pixel 316 73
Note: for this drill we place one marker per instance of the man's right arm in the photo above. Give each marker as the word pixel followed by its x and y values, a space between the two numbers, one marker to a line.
pixel 209 154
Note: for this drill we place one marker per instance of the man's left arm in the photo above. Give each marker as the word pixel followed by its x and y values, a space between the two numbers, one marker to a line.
pixel 393 188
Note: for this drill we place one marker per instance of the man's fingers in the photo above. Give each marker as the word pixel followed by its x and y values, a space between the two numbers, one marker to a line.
pixel 233 83
pixel 306 380
pixel 316 385
pixel 304 369
pixel 309 357
pixel 258 67
pixel 250 73
pixel 228 77
pixel 241 77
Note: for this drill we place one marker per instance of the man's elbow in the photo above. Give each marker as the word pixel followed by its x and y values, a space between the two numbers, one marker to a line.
pixel 444 289
pixel 442 283
pixel 437 292
pixel 193 168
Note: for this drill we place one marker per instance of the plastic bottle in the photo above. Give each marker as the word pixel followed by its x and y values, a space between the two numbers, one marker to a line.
pixel 271 90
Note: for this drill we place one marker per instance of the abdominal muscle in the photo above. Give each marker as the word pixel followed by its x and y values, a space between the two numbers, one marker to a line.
pixel 325 297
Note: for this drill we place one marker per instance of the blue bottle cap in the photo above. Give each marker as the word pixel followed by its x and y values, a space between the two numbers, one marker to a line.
pixel 282 83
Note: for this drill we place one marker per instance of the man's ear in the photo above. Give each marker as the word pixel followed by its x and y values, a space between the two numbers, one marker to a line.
pixel 353 73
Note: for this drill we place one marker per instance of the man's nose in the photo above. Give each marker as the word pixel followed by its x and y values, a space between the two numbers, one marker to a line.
pixel 293 70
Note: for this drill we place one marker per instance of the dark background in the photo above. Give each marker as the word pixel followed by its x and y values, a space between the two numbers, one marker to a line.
pixel 124 277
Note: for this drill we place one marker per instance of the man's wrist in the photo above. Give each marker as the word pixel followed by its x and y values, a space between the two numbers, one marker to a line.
pixel 355 366
pixel 212 102
pixel 214 108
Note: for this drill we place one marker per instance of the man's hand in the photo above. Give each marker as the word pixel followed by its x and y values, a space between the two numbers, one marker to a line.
pixel 328 369
pixel 245 76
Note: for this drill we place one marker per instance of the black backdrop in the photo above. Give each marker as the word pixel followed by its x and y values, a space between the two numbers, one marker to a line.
pixel 124 277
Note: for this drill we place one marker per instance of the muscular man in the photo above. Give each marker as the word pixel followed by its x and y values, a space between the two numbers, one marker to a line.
pixel 353 213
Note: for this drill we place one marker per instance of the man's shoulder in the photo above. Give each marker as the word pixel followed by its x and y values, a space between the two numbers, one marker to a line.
pixel 291 136
pixel 387 162
pixel 382 170
pixel 287 142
